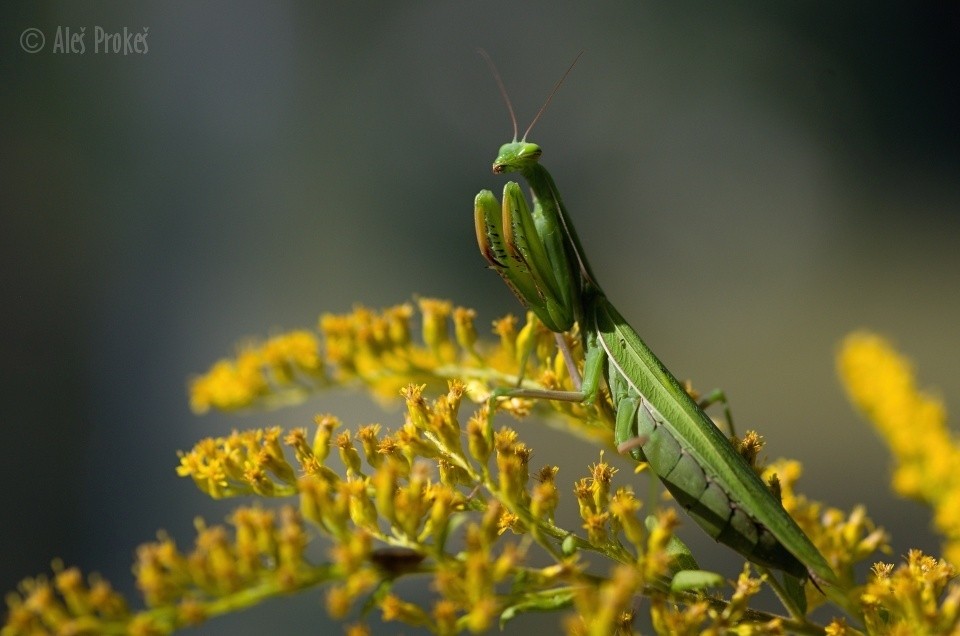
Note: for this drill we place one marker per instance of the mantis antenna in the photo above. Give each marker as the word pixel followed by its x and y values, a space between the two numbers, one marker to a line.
pixel 506 97
pixel 556 87
pixel 503 89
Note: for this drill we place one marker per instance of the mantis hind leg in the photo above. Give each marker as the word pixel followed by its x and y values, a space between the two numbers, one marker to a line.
pixel 572 369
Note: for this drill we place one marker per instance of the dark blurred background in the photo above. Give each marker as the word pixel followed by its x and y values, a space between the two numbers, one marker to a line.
pixel 751 182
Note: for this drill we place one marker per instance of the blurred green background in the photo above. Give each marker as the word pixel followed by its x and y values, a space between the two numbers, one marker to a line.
pixel 751 182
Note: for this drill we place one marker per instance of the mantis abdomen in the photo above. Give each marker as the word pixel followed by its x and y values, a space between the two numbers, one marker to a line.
pixel 693 459
pixel 702 495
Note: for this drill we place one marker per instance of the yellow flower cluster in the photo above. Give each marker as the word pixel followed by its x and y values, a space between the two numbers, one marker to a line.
pixel 391 493
pixel 375 349
pixel 918 597
pixel 66 605
pixel 282 369
pixel 704 617
pixel 881 384
pixel 469 600
pixel 260 554
pixel 244 463
pixel 220 575
pixel 607 606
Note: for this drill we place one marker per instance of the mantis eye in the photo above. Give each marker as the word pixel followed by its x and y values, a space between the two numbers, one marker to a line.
pixel 530 152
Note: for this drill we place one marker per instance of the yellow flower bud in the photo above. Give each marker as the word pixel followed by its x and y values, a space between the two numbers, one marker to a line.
pixel 321 440
pixel 464 330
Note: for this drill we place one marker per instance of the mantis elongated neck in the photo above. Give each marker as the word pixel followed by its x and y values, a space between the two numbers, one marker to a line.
pixel 549 197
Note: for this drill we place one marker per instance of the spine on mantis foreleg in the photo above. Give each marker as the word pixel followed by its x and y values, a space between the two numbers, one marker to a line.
pixel 698 465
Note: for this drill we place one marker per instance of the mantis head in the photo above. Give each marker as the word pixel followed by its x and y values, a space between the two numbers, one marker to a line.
pixel 520 156
pixel 516 156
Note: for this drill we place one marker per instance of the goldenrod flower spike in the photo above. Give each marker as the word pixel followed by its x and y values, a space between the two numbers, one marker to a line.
pixel 881 383
pixel 376 351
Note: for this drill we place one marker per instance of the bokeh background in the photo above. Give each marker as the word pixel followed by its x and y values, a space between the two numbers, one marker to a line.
pixel 751 182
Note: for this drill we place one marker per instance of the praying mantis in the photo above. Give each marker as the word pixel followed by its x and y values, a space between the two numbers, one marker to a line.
pixel 538 254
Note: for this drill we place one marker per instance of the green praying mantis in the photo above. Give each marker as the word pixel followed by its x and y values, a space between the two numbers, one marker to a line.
pixel 538 254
